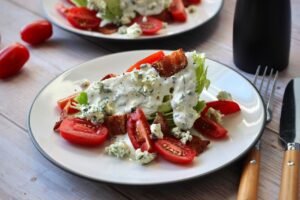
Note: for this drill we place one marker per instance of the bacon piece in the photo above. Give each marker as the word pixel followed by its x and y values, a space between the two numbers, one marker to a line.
pixel 198 144
pixel 116 124
pixel 108 29
pixel 171 64
pixel 159 119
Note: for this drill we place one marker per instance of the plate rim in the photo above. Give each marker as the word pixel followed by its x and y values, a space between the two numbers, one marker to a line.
pixel 104 37
pixel 53 161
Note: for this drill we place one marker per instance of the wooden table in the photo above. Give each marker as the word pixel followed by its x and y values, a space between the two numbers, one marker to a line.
pixel 26 174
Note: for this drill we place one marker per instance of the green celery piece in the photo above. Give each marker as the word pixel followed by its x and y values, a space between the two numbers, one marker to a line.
pixel 80 3
pixel 165 107
pixel 201 73
pixel 200 106
pixel 113 10
pixel 82 98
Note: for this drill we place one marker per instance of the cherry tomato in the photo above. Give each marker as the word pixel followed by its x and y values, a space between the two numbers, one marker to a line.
pixel 138 130
pixel 191 2
pixel 224 106
pixel 12 59
pixel 108 76
pixel 83 18
pixel 108 29
pixel 174 151
pixel 149 59
pixel 150 26
pixel 37 32
pixel 178 11
pixel 210 128
pixel 68 104
pixel 82 132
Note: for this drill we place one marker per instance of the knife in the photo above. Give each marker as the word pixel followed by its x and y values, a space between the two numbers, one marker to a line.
pixel 290 139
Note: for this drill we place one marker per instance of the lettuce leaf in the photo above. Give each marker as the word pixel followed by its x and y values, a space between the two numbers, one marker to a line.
pixel 80 3
pixel 82 98
pixel 113 10
pixel 201 72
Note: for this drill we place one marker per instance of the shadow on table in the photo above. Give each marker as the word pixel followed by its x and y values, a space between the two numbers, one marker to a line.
pixel 188 41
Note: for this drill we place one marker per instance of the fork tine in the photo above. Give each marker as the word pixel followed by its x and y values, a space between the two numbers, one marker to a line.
pixel 256 75
pixel 268 84
pixel 263 78
pixel 273 90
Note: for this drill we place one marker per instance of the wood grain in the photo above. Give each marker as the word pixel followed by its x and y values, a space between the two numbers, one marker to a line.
pixel 25 174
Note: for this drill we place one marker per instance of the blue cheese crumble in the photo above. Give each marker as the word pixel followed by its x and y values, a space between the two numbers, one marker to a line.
pixel 118 149
pixel 183 136
pixel 223 95
pixel 215 115
pixel 134 31
pixel 144 157
pixel 156 132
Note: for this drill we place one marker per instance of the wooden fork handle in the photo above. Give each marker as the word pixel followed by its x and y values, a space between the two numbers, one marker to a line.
pixel 250 176
pixel 290 175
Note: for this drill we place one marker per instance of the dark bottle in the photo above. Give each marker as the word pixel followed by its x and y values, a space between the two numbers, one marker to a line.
pixel 261 34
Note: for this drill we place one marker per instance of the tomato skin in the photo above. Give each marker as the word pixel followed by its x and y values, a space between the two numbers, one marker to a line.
pixel 185 154
pixel 210 128
pixel 12 59
pixel 224 106
pixel 82 18
pixel 149 27
pixel 149 59
pixel 68 104
pixel 37 32
pixel 138 130
pixel 82 132
pixel 178 11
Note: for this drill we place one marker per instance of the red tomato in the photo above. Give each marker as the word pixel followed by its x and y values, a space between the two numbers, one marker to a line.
pixel 138 130
pixel 70 2
pixel 191 2
pixel 12 59
pixel 210 128
pixel 68 104
pixel 37 32
pixel 178 11
pixel 108 76
pixel 174 151
pixel 83 18
pixel 224 106
pixel 150 26
pixel 149 59
pixel 83 132
pixel 108 29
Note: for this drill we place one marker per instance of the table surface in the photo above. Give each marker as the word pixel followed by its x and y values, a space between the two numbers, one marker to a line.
pixel 26 174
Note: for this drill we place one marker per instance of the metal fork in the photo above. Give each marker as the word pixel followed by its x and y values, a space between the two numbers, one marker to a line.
pixel 250 175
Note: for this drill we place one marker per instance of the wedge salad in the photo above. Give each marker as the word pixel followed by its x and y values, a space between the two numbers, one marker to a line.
pixel 156 103
pixel 132 18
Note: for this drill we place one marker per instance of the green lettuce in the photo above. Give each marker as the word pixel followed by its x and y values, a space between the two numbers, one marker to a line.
pixel 113 10
pixel 80 3
pixel 201 72
pixel 82 98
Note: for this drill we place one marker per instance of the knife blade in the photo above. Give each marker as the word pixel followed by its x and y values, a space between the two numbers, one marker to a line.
pixel 290 139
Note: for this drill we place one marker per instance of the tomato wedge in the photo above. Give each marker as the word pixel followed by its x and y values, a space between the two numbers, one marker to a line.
pixel 210 128
pixel 150 26
pixel 82 132
pixel 138 130
pixel 83 18
pixel 68 104
pixel 224 106
pixel 177 11
pixel 149 59
pixel 174 151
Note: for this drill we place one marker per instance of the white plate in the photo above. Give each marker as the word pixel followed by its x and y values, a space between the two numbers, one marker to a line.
pixel 244 128
pixel 205 11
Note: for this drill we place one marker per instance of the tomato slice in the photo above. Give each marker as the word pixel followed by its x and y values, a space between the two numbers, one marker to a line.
pixel 178 11
pixel 149 59
pixel 82 132
pixel 224 106
pixel 68 104
pixel 138 130
pixel 174 151
pixel 150 26
pixel 210 128
pixel 83 18
pixel 108 76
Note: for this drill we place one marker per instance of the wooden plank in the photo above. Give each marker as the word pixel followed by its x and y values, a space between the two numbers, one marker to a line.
pixel 26 174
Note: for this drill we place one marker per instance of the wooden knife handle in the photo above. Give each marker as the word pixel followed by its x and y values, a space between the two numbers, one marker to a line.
pixel 250 176
pixel 290 175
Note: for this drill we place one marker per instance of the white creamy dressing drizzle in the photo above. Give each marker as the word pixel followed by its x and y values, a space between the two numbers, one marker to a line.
pixel 145 89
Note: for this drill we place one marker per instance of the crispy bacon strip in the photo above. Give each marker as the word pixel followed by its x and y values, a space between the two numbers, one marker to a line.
pixel 171 64
pixel 159 119
pixel 198 144
pixel 116 124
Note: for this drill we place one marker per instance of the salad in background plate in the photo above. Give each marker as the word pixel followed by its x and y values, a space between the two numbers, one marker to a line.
pixel 155 103
pixel 127 17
